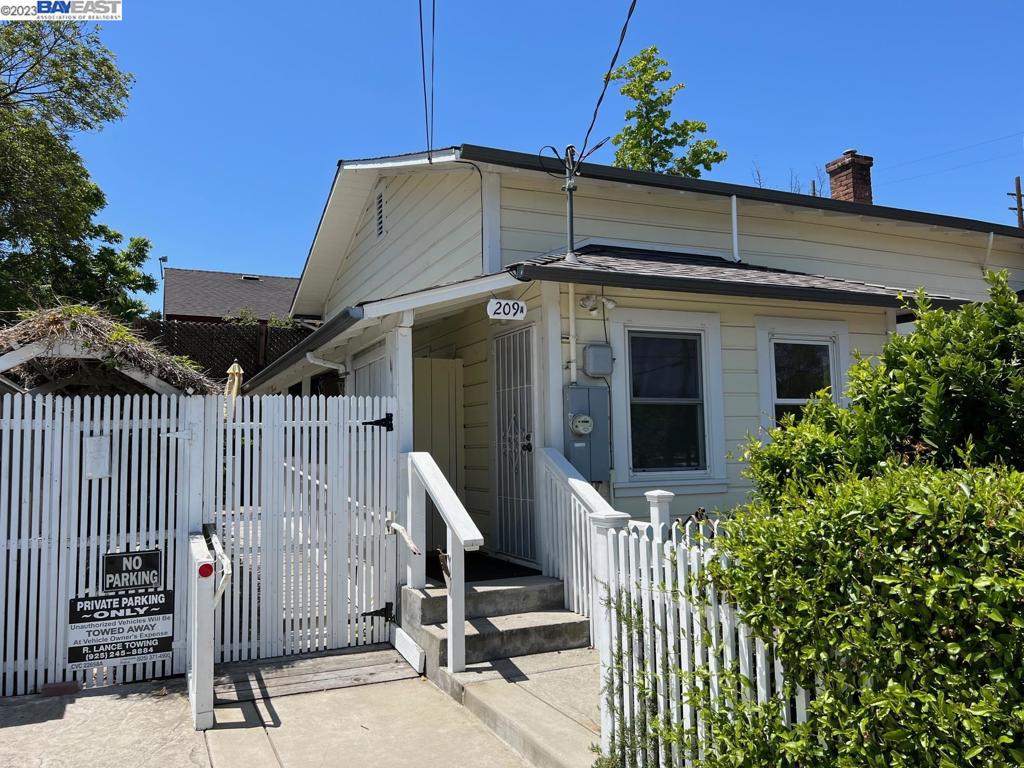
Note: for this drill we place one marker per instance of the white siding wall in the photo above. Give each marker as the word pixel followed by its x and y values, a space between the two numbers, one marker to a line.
pixel 868 331
pixel 876 251
pixel 431 236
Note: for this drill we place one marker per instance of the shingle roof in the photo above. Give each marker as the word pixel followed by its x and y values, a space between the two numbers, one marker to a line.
pixel 661 270
pixel 203 293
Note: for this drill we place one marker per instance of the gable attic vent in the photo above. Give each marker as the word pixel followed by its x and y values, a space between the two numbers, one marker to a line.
pixel 380 214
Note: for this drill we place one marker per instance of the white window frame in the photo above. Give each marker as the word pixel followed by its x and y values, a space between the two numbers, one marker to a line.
pixel 622 321
pixel 833 333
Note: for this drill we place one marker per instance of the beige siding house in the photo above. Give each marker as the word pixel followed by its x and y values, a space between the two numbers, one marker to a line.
pixel 689 316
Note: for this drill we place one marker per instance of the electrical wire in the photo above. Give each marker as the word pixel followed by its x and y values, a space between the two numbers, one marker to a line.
pixel 604 89
pixel 948 152
pixel 886 182
pixel 557 156
pixel 433 47
pixel 423 74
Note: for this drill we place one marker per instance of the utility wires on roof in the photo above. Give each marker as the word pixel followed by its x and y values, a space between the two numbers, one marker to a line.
pixel 428 101
pixel 604 88
pixel 572 161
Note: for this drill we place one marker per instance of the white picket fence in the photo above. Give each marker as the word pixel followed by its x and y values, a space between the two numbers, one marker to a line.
pixel 664 633
pixel 299 490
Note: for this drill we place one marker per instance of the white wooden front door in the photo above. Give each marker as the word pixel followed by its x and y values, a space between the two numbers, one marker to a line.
pixel 512 356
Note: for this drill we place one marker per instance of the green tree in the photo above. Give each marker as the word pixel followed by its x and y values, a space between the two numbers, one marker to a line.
pixel 55 79
pixel 650 141
pixel 242 316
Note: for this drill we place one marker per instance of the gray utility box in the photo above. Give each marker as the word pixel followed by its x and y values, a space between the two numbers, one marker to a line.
pixel 587 442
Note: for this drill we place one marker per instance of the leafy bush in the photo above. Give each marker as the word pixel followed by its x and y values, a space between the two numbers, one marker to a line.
pixel 951 393
pixel 901 598
pixel 883 551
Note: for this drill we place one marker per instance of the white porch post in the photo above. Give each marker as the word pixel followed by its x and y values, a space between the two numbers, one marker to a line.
pixel 409 514
pixel 603 590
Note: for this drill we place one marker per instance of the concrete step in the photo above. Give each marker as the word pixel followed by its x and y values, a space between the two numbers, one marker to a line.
pixel 498 597
pixel 546 706
pixel 516 634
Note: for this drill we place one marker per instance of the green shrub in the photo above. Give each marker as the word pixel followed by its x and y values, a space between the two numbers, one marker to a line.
pixel 901 597
pixel 951 393
pixel 884 551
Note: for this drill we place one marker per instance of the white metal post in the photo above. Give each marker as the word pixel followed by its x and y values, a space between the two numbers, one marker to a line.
pixel 200 632
pixel 661 515
pixel 603 611
pixel 456 605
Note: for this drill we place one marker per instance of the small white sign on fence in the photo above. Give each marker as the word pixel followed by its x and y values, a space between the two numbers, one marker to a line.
pixel 97 456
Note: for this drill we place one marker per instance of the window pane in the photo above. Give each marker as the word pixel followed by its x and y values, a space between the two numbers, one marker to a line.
pixel 801 369
pixel 669 436
pixel 664 366
pixel 783 408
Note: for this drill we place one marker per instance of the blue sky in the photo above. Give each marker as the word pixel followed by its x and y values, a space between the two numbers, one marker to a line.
pixel 241 111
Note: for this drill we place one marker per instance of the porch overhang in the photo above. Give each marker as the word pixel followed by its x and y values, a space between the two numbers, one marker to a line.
pixel 691 273
pixel 423 304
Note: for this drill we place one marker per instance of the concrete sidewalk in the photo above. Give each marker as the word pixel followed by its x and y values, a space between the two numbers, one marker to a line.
pixel 402 723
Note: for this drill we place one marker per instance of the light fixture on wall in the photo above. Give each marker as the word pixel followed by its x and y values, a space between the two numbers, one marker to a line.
pixel 590 303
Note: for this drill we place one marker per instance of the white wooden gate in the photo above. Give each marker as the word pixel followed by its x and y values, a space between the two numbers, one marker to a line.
pixel 513 412
pixel 298 488
pixel 301 503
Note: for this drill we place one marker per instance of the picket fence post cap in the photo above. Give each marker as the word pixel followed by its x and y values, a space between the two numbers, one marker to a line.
pixel 655 496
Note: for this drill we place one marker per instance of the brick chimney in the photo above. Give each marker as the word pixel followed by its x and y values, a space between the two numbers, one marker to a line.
pixel 850 177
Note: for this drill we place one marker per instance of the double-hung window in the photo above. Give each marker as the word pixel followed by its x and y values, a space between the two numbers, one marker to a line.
pixel 666 402
pixel 667 412
pixel 798 358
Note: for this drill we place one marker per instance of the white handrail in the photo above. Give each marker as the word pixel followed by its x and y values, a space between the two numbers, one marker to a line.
pixel 426 478
pixel 568 504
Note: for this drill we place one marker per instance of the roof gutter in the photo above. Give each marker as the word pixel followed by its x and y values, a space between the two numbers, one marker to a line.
pixel 345 319
pixel 560 274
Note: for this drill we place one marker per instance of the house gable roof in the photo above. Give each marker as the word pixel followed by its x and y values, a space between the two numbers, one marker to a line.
pixel 665 271
pixel 205 293
pixel 355 179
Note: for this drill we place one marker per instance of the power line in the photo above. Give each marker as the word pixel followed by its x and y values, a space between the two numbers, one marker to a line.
pixel 948 152
pixel 946 170
pixel 604 88
pixel 433 37
pixel 423 73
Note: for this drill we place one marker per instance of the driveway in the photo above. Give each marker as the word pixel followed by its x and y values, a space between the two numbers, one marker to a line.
pixel 401 723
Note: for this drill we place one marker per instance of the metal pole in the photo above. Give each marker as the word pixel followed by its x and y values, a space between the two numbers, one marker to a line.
pixel 569 188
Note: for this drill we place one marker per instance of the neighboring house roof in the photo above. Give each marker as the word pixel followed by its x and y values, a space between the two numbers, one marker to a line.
pixel 204 293
pixel 78 349
pixel 669 271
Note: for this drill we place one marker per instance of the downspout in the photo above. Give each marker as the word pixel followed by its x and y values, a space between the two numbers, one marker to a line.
pixel 988 253
pixel 735 233
pixel 341 368
pixel 572 333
